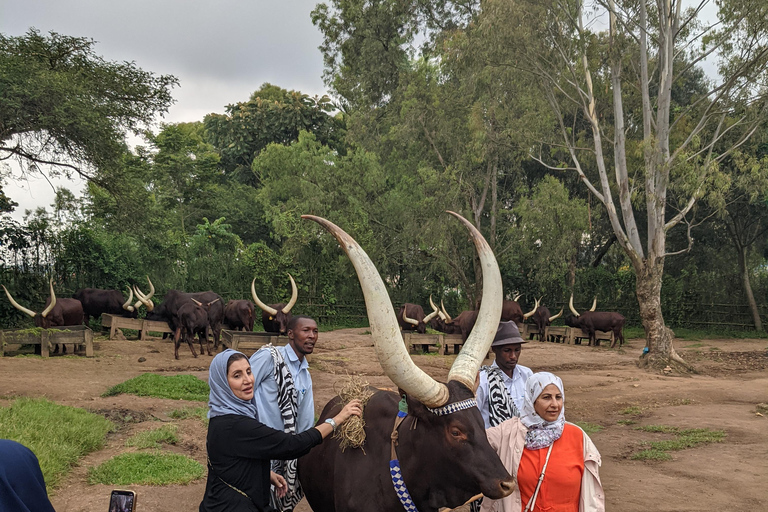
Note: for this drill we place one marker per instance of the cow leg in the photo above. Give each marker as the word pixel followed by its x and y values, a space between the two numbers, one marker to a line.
pixel 176 342
pixel 190 337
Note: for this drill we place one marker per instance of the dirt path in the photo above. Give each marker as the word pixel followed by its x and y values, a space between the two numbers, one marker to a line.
pixel 601 386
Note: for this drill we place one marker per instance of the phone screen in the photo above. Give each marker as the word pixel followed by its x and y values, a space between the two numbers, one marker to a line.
pixel 122 501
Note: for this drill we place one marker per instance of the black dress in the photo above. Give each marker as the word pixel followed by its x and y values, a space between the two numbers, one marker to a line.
pixel 240 449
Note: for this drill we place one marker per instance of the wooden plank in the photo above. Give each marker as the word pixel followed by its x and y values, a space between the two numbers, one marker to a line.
pixel 247 340
pixel 89 343
pixel 412 339
pixel 44 348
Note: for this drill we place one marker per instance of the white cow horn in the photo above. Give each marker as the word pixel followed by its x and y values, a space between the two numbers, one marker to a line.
pixel 17 305
pixel 294 296
pixel 447 318
pixel 52 304
pixel 594 304
pixel 570 305
pixel 467 363
pixel 127 306
pixel 257 301
pixel 553 318
pixel 390 349
pixel 433 313
pixel 409 320
pixel 526 316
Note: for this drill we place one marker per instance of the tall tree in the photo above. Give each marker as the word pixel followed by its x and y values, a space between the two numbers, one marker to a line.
pixel 648 147
pixel 64 109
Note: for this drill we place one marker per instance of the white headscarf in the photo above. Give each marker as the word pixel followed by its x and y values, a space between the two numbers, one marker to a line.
pixel 541 433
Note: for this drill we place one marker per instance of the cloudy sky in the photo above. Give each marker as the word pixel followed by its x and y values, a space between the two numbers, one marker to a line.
pixel 221 51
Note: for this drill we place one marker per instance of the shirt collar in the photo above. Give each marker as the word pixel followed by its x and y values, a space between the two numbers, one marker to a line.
pixel 504 375
pixel 293 358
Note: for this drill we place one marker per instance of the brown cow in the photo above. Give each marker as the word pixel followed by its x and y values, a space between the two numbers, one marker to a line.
pixel 239 314
pixel 275 317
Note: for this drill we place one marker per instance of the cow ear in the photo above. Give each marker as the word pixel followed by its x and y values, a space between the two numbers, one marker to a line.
pixel 419 410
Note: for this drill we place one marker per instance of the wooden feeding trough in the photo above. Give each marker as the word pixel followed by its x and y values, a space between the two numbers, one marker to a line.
pixel 440 340
pixel 75 336
pixel 575 334
pixel 115 322
pixel 250 341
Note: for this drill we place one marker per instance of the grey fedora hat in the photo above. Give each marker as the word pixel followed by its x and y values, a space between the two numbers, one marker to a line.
pixel 507 334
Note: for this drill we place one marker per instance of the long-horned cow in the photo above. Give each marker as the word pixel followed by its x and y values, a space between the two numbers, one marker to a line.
pixel 543 319
pixel 275 317
pixel 57 312
pixel 442 455
pixel 191 319
pixel 411 318
pixel 591 321
pixel 97 301
pixel 175 299
pixel 239 314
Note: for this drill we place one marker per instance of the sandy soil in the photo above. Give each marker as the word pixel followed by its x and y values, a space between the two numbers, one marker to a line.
pixel 599 384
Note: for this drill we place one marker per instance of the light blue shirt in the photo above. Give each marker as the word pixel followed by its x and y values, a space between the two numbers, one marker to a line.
pixel 265 388
pixel 515 387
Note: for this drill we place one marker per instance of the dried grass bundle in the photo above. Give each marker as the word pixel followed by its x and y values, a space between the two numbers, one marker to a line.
pixel 352 432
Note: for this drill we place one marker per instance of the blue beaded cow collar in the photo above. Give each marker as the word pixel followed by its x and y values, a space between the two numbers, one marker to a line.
pixel 398 482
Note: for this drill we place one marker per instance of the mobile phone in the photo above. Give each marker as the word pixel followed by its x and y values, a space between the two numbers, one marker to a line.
pixel 122 501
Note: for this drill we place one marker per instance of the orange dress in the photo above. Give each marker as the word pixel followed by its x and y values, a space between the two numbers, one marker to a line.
pixel 561 488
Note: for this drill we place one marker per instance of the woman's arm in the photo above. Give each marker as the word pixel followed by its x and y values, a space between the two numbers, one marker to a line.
pixel 353 408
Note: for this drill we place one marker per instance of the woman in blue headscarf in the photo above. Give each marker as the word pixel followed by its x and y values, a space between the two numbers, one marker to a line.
pixel 22 488
pixel 240 447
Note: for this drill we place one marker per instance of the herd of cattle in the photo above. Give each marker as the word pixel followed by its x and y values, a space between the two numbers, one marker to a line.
pixel 204 314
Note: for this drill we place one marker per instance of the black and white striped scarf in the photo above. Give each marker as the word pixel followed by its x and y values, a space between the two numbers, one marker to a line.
pixel 500 404
pixel 287 400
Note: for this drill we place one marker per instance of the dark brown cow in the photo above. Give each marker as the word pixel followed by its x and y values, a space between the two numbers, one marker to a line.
pixel 542 319
pixel 174 299
pixel 411 318
pixel 275 317
pixel 97 301
pixel 592 321
pixel 239 314
pixel 444 454
pixel 511 310
pixel 57 312
pixel 191 319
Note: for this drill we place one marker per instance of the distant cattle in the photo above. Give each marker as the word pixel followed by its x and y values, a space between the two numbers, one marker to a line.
pixel 239 315
pixel 275 317
pixel 57 312
pixel 191 319
pixel 174 299
pixel 592 321
pixel 411 318
pixel 542 319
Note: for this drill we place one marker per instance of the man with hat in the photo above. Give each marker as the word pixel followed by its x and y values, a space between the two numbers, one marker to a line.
pixel 502 385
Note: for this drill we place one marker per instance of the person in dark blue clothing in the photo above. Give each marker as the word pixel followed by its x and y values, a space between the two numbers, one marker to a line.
pixel 22 488
pixel 240 447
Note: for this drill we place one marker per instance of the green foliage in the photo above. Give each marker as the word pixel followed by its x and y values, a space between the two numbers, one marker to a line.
pixel 152 438
pixel 633 410
pixel 683 438
pixel 190 412
pixel 62 103
pixel 589 428
pixel 176 387
pixel 58 435
pixel 146 469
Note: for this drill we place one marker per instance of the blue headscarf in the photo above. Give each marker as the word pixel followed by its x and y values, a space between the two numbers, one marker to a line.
pixel 222 400
pixel 22 488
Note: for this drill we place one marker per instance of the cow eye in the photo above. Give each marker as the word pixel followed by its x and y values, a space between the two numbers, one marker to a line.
pixel 456 432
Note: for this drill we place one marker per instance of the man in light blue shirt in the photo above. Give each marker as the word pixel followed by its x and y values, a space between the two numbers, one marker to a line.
pixel 274 370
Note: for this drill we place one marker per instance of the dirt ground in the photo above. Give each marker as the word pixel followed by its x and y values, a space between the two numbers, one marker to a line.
pixel 599 384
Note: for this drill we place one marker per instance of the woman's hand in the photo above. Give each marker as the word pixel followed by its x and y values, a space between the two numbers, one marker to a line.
pixel 353 408
pixel 281 486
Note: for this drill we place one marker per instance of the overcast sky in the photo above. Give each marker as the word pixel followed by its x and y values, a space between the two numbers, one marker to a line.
pixel 221 51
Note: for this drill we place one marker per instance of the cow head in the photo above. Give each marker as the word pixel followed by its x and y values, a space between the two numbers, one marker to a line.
pixel 576 313
pixel 45 319
pixel 280 316
pixel 529 314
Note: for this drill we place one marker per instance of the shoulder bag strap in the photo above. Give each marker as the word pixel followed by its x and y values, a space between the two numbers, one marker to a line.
pixel 532 502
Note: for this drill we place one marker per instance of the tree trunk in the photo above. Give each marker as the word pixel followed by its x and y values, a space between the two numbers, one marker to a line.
pixel 661 352
pixel 748 288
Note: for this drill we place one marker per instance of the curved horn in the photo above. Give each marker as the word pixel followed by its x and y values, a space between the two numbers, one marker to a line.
pixel 52 304
pixel 151 290
pixel 390 349
pixel 144 299
pixel 517 297
pixel 294 296
pixel 17 305
pixel 264 307
pixel 409 320
pixel 127 306
pixel 197 302
pixel 528 315
pixel 553 318
pixel 447 318
pixel 570 305
pixel 433 313
pixel 435 308
pixel 467 363
pixel 594 304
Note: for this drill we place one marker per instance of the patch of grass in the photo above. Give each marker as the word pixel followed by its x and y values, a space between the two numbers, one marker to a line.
pixel 694 345
pixel 633 410
pixel 176 387
pixel 152 438
pixel 626 422
pixel 589 428
pixel 190 412
pixel 57 434
pixel 762 408
pixel 634 332
pixel 684 438
pixel 146 469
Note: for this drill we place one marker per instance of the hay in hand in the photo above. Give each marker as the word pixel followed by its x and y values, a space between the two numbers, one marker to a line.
pixel 352 432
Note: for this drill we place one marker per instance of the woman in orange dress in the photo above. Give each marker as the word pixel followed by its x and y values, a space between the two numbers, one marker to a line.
pixel 555 463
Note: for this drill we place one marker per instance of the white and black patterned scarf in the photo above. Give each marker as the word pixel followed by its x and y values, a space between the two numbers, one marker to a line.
pixel 500 404
pixel 287 400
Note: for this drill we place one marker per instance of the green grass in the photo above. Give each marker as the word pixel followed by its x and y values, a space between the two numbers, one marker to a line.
pixel 152 438
pixel 146 469
pixel 684 438
pixel 57 434
pixel 176 387
pixel 633 410
pixel 589 428
pixel 634 332
pixel 190 412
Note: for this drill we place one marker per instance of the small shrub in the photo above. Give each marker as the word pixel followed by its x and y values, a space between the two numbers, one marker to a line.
pixel 176 387
pixel 152 438
pixel 146 469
